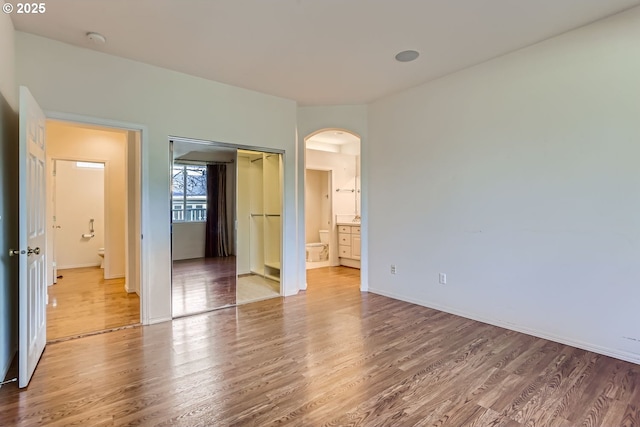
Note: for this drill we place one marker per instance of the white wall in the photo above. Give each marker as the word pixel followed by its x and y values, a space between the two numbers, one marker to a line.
pixel 344 178
pixel 73 142
pixel 243 253
pixel 8 196
pixel 353 118
pixel 188 240
pixel 133 210
pixel 68 79
pixel 519 179
pixel 79 197
pixel 317 206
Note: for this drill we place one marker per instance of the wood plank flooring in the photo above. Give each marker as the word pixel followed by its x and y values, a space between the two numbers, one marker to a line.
pixel 203 284
pixel 253 288
pixel 83 301
pixel 330 356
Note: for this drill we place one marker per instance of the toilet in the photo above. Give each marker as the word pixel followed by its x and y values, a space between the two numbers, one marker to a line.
pixel 319 251
pixel 101 255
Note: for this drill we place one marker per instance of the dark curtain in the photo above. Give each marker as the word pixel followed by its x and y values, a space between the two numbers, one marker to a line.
pixel 216 241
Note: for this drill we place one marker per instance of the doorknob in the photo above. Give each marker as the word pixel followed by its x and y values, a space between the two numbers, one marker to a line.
pixel 33 251
pixel 13 252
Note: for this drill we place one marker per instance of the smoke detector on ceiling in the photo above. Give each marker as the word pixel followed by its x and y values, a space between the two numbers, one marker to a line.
pixel 96 38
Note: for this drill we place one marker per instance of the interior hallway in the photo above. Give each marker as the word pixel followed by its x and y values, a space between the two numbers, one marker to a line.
pixel 83 301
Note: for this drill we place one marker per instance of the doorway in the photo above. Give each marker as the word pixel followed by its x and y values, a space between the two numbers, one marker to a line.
pixel 216 238
pixel 332 199
pixel 92 183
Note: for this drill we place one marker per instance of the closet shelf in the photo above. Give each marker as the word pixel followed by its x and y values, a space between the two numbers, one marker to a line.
pixel 275 265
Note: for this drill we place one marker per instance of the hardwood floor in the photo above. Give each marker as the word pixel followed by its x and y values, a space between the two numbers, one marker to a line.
pixel 203 284
pixel 253 288
pixel 83 301
pixel 329 356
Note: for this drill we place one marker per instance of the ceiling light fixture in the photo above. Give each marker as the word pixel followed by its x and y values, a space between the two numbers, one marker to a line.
pixel 96 38
pixel 407 56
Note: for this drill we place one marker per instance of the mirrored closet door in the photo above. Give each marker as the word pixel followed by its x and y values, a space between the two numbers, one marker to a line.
pixel 226 206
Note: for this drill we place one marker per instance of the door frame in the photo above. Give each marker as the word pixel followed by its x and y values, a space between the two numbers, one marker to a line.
pixel 143 131
pixel 364 184
pixel 51 248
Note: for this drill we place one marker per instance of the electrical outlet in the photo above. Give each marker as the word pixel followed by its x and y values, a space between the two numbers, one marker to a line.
pixel 393 269
pixel 442 278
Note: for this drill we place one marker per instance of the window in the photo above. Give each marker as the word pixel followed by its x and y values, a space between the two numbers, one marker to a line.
pixel 90 165
pixel 189 189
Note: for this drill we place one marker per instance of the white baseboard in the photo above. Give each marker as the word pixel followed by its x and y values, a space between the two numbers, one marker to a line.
pixel 618 354
pixel 5 369
pixel 159 320
pixel 67 267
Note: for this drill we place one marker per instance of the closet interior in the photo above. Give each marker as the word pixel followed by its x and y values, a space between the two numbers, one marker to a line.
pixel 260 181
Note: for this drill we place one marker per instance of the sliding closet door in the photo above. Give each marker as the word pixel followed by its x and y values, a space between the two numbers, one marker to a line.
pixel 203 211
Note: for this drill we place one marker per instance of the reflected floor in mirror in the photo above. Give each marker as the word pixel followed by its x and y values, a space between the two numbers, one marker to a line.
pixel 203 284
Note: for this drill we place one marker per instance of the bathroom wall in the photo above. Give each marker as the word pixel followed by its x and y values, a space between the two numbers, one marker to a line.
pixel 344 177
pixel 79 196
pixel 75 142
pixel 317 206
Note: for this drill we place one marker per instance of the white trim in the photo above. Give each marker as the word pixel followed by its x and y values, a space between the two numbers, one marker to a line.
pixel 618 354
pixel 85 265
pixel 145 286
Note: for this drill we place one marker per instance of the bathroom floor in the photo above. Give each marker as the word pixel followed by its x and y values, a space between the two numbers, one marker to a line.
pixel 83 301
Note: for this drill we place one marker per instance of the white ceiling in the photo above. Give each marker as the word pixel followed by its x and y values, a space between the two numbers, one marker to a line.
pixel 317 52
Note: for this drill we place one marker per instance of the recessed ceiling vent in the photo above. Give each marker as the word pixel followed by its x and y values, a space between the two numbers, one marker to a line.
pixel 407 56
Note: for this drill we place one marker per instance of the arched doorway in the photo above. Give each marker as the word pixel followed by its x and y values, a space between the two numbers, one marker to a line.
pixel 332 199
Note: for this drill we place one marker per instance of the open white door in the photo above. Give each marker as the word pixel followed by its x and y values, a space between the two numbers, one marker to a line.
pixel 33 288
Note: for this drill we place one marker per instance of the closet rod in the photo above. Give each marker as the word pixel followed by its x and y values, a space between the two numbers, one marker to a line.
pixel 255 160
pixel 201 162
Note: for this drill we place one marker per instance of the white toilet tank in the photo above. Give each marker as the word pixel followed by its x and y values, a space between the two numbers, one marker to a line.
pixel 324 236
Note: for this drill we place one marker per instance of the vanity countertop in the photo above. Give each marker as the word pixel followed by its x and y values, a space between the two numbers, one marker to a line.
pixel 348 223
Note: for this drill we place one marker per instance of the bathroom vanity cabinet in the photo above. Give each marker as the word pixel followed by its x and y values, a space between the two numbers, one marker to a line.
pixel 349 245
